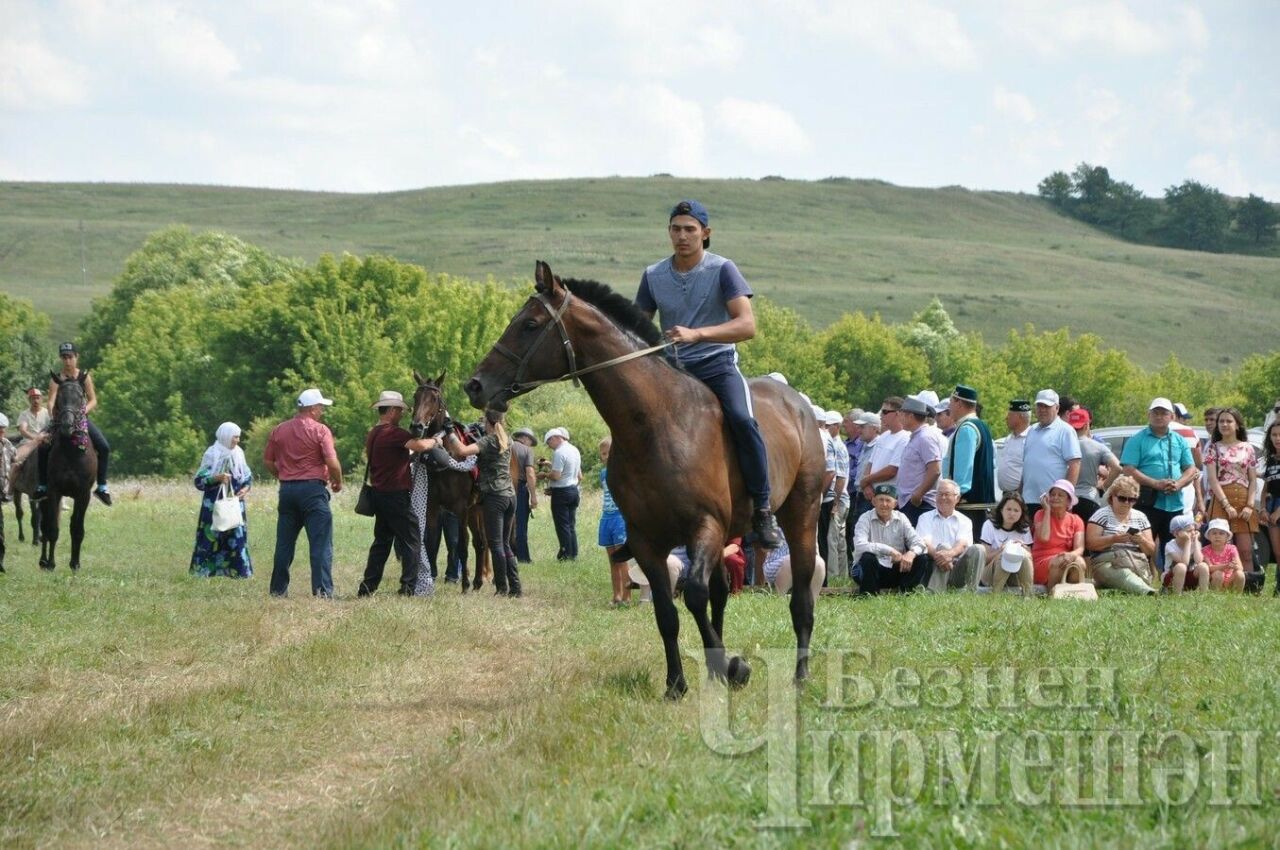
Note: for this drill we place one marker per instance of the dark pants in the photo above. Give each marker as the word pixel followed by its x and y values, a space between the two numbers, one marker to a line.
pixel 1084 509
pixel 1160 530
pixel 520 546
pixel 824 529
pixel 720 374
pixel 564 512
pixel 304 504
pixel 499 512
pixel 2 535
pixel 912 513
pixel 448 528
pixel 878 579
pixel 100 446
pixel 393 524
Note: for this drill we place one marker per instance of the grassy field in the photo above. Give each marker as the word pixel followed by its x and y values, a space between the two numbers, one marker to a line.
pixel 142 708
pixel 998 260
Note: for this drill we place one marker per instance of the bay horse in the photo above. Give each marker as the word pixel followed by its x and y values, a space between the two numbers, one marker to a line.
pixel 673 470
pixel 72 469
pixel 22 482
pixel 451 489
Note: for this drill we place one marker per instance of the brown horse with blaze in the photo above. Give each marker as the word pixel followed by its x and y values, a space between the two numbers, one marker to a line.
pixel 673 469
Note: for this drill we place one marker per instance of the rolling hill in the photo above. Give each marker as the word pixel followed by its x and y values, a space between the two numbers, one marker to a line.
pixel 997 260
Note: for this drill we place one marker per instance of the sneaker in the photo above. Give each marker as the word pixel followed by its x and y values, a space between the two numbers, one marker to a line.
pixel 103 496
pixel 766 529
pixel 41 492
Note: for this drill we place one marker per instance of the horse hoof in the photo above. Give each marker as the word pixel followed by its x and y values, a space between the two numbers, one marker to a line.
pixel 676 690
pixel 739 672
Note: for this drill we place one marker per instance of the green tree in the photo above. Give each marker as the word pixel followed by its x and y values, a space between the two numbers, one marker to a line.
pixel 1258 385
pixel 869 360
pixel 1100 378
pixel 1257 218
pixel 24 355
pixel 786 343
pixel 1092 185
pixel 1126 209
pixel 1197 216
pixel 1057 189
pixel 176 257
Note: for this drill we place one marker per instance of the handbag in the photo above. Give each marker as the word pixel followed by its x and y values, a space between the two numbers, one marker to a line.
pixel 1147 495
pixel 226 510
pixel 364 501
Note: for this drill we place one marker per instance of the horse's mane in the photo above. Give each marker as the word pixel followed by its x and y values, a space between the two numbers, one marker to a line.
pixel 622 310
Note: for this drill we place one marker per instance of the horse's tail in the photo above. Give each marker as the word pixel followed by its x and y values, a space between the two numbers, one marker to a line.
pixel 621 555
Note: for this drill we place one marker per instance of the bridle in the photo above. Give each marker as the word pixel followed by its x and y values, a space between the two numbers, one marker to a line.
pixel 421 429
pixel 519 386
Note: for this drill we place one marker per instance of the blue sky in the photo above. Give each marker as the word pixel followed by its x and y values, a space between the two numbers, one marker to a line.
pixel 377 95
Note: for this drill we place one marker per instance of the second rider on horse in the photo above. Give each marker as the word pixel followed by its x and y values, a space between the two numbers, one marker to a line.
pixel 71 372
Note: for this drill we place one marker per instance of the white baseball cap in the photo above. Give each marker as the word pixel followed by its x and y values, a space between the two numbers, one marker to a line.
pixel 929 397
pixel 1218 524
pixel 869 418
pixel 832 418
pixel 1047 397
pixel 1011 557
pixel 1161 403
pixel 312 396
pixel 555 432
pixel 4 421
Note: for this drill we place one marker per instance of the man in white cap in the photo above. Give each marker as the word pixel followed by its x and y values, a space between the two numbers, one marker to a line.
pixel 1051 452
pixel 7 451
pixel 1161 462
pixel 562 484
pixel 386 450
pixel 300 454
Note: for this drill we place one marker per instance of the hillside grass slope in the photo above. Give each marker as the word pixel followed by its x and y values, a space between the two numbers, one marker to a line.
pixel 997 260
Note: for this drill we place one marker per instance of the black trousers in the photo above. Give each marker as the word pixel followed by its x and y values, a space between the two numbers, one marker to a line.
pixel 393 524
pixel 521 544
pixel 499 513
pixel 564 513
pixel 2 535
pixel 878 579
pixel 1160 529
pixel 448 529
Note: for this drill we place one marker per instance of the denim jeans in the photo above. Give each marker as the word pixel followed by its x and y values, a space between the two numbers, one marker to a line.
pixel 304 504
pixel 564 512
pixel 520 546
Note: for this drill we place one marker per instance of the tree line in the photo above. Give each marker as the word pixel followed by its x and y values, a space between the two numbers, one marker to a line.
pixel 200 328
pixel 1191 215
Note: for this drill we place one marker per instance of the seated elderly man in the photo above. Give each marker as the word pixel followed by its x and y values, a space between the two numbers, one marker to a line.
pixel 886 548
pixel 953 559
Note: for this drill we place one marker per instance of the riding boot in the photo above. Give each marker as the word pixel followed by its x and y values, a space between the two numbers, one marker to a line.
pixel 766 528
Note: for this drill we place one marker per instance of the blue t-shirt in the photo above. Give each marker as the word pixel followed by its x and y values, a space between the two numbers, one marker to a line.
pixel 1159 457
pixel 697 298
pixel 609 506
pixel 1045 456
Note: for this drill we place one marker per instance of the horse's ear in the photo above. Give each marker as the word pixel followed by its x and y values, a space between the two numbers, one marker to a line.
pixel 440 380
pixel 418 379
pixel 543 278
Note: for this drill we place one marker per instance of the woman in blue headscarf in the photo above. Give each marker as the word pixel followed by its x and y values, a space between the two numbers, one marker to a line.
pixel 222 553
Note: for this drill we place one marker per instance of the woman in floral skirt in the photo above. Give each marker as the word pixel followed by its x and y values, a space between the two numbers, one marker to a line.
pixel 224 553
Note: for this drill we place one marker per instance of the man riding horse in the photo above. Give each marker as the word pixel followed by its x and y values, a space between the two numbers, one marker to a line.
pixel 704 307
pixel 71 372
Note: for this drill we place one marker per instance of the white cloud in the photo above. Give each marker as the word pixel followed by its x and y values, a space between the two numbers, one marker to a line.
pixel 33 77
pixel 1013 104
pixel 907 30
pixel 1054 28
pixel 651 43
pixel 164 35
pixel 1224 173
pixel 762 127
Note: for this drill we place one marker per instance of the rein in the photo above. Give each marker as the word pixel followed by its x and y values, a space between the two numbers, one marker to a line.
pixel 520 386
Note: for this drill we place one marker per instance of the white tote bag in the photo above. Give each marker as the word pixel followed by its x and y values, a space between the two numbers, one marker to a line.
pixel 226 510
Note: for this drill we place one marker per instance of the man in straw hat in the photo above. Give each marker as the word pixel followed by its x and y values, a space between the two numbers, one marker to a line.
pixel 386 448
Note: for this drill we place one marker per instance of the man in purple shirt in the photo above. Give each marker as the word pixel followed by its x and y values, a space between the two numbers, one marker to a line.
pixel 921 461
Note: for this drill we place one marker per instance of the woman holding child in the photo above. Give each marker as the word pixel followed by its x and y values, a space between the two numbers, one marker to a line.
pixel 1118 537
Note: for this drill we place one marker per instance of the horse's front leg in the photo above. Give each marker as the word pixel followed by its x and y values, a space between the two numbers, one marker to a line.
pixel 17 512
pixel 77 530
pixel 49 523
pixel 654 566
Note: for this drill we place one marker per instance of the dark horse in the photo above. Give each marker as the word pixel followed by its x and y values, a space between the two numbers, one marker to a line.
pixel 673 470
pixel 73 467
pixel 451 489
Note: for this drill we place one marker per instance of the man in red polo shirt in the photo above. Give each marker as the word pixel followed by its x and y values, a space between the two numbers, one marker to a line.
pixel 300 454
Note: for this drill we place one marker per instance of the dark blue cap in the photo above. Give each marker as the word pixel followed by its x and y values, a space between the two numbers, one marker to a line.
pixel 693 208
pixel 67 348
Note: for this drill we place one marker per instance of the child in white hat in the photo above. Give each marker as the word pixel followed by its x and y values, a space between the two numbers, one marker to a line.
pixel 1225 569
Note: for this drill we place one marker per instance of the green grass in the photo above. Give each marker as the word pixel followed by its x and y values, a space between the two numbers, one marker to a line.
pixel 998 260
pixel 141 707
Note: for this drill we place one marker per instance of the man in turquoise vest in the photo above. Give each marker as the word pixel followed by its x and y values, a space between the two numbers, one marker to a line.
pixel 971 457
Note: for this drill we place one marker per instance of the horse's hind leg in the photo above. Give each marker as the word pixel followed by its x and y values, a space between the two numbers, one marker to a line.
pixel 17 513
pixel 799 524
